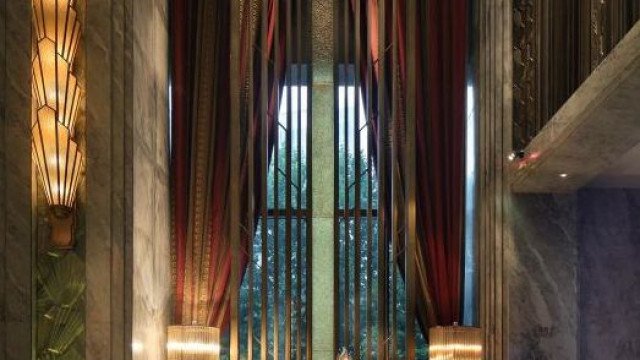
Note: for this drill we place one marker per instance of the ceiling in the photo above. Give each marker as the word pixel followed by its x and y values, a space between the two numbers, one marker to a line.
pixel 623 173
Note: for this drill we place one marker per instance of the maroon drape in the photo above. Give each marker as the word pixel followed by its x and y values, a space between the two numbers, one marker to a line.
pixel 440 135
pixel 200 80
pixel 441 43
pixel 179 149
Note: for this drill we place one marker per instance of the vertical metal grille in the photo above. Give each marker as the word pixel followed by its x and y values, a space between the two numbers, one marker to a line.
pixel 375 206
pixel 274 316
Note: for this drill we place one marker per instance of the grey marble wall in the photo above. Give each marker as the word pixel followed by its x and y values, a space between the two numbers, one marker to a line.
pixel 609 274
pixel 16 229
pixel 542 262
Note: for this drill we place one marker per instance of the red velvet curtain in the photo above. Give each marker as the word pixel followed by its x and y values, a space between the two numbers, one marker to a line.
pixel 440 137
pixel 201 258
pixel 441 44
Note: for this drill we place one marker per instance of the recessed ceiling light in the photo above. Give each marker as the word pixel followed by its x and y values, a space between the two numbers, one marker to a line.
pixel 564 175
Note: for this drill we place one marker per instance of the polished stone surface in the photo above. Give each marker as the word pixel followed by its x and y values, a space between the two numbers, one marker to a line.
pixel 595 127
pixel 107 233
pixel 494 115
pixel 127 212
pixel 151 217
pixel 609 274
pixel 542 264
pixel 16 226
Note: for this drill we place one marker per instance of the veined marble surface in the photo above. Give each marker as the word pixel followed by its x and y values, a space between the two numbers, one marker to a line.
pixel 151 216
pixel 609 274
pixel 542 264
pixel 128 289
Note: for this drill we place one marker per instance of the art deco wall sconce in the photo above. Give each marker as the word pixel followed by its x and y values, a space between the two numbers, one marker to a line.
pixel 57 95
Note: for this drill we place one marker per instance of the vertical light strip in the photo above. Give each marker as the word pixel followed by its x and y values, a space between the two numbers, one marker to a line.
pixel 469 294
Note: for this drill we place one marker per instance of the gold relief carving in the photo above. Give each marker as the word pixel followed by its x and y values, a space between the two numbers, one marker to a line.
pixel 524 62
pixel 598 30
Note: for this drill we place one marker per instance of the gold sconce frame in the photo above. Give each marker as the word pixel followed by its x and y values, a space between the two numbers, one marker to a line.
pixel 57 97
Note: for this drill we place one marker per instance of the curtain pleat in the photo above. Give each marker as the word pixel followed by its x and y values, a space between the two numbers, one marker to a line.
pixel 200 151
pixel 440 136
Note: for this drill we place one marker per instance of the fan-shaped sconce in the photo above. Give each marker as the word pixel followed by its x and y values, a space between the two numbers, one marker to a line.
pixel 54 85
pixel 57 21
pixel 57 96
pixel 193 343
pixel 59 162
pixel 455 343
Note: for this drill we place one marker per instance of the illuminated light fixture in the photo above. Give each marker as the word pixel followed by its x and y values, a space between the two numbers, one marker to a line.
pixel 455 343
pixel 59 162
pixel 54 85
pixel 57 21
pixel 193 343
pixel 137 347
pixel 57 97
pixel 564 175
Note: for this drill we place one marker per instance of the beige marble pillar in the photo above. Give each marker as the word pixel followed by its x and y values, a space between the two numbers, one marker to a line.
pixel 16 183
pixel 127 211
pixel 323 346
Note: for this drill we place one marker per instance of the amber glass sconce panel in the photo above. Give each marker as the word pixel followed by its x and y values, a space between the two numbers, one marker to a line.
pixel 57 95
pixel 57 21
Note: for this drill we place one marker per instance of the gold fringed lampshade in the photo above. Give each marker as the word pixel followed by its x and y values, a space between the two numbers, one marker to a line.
pixel 58 159
pixel 54 85
pixel 58 22
pixel 455 343
pixel 193 343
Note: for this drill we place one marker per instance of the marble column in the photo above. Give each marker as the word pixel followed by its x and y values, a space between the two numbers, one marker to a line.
pixel 127 211
pixel 494 89
pixel 323 347
pixel 16 182
pixel 151 287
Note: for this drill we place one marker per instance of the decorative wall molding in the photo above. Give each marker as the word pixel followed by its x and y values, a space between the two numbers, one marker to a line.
pixel 494 84
pixel 556 46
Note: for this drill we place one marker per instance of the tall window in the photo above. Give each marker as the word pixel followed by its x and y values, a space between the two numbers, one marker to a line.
pixel 470 274
pixel 286 245
pixel 357 305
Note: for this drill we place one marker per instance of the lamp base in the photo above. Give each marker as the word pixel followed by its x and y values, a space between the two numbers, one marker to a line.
pixel 61 220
